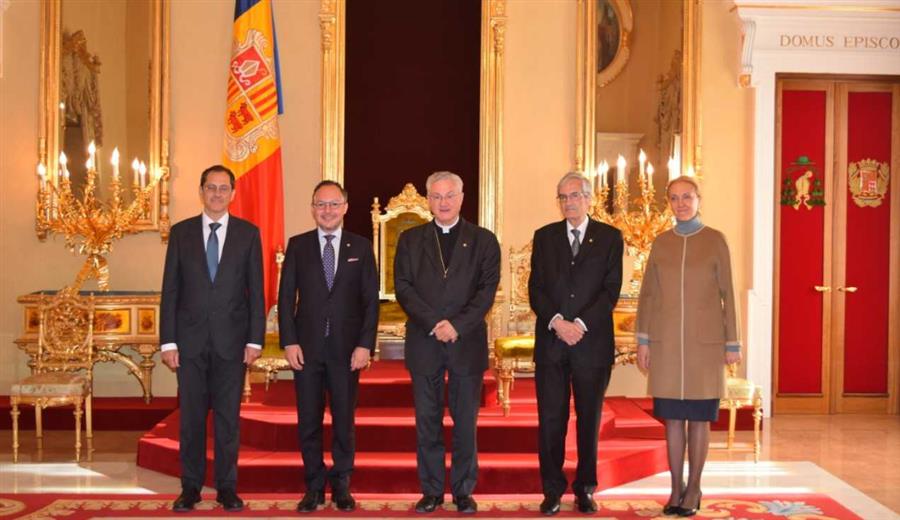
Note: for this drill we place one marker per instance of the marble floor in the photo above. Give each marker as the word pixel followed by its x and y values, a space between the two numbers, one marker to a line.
pixel 852 458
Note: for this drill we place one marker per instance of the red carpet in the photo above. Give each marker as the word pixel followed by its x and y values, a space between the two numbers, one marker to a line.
pixel 81 507
pixel 631 445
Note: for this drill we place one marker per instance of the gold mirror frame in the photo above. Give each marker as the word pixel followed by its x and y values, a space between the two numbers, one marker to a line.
pixel 332 22
pixel 587 82
pixel 49 112
pixel 625 18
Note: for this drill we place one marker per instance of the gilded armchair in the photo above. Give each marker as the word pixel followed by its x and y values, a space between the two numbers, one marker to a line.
pixel 63 373
pixel 742 392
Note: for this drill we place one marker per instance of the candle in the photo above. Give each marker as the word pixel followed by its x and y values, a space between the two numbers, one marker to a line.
pixel 604 171
pixel 115 163
pixel 650 174
pixel 690 171
pixel 620 169
pixel 136 166
pixel 673 169
pixel 642 158
pixel 42 175
pixel 143 169
pixel 63 160
pixel 92 150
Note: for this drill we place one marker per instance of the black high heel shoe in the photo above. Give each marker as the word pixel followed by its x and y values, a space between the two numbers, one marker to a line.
pixel 674 510
pixel 693 511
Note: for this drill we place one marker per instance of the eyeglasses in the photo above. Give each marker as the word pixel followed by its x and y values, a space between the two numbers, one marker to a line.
pixel 574 196
pixel 212 188
pixel 437 197
pixel 330 204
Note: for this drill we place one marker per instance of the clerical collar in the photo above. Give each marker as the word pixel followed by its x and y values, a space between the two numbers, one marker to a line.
pixel 688 227
pixel 446 229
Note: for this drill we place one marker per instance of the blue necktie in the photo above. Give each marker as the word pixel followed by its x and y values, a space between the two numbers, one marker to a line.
pixel 328 265
pixel 212 250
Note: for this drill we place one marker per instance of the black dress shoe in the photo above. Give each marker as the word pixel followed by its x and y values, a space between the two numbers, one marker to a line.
pixel 585 503
pixel 229 500
pixel 186 501
pixel 465 504
pixel 311 501
pixel 428 503
pixel 685 511
pixel 550 505
pixel 343 500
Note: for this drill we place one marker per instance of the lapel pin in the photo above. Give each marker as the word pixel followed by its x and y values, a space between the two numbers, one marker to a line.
pixel 348 244
pixel 590 240
pixel 465 244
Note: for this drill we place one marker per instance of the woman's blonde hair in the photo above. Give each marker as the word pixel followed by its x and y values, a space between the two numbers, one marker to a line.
pixel 687 180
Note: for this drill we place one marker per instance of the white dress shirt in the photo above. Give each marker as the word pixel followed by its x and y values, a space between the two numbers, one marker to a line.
pixel 220 234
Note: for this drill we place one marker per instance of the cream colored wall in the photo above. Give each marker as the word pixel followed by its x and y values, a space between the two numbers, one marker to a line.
pixel 539 135
pixel 201 40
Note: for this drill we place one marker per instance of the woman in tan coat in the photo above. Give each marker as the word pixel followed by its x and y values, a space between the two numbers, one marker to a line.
pixel 687 331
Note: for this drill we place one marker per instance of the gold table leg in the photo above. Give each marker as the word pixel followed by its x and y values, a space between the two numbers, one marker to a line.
pixel 14 412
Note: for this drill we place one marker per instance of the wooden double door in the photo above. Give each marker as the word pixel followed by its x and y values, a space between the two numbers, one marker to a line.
pixel 837 262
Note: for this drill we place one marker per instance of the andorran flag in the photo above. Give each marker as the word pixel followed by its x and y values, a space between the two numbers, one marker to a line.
pixel 252 141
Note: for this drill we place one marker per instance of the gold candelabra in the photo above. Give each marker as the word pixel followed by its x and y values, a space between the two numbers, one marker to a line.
pixel 640 225
pixel 90 225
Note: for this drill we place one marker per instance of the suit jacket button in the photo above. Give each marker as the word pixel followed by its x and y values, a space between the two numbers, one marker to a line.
pixel 572 295
pixel 573 262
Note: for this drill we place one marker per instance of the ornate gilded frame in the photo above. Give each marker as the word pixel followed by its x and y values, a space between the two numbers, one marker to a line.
pixel 625 16
pixel 587 84
pixel 49 112
pixel 332 21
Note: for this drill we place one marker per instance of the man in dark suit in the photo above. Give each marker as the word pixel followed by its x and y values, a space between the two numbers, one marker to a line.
pixel 212 324
pixel 576 275
pixel 328 320
pixel 445 275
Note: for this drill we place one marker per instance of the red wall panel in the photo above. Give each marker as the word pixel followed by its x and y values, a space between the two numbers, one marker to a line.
pixel 801 247
pixel 868 251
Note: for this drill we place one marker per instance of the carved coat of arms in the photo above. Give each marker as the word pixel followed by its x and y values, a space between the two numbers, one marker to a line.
pixel 802 185
pixel 868 181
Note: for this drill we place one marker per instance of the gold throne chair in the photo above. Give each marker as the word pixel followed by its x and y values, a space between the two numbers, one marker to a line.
pixel 63 372
pixel 403 211
pixel 515 352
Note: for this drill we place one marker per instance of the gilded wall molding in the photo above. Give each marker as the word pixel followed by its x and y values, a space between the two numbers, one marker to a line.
pixel 490 192
pixel 586 86
pixel 332 22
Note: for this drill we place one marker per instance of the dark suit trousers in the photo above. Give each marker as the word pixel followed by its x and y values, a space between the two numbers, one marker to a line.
pixel 554 384
pixel 311 384
pixel 208 381
pixel 464 396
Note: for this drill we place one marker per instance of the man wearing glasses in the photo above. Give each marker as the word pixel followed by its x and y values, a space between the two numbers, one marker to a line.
pixel 212 324
pixel 576 275
pixel 327 320
pixel 446 273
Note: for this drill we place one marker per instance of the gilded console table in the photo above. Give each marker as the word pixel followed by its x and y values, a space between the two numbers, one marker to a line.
pixel 121 319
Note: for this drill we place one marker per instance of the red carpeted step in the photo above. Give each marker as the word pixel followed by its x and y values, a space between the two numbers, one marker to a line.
pixel 619 462
pixel 634 421
pixel 387 383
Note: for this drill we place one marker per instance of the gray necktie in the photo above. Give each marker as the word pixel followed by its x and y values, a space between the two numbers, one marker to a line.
pixel 575 243
pixel 212 250
pixel 328 265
